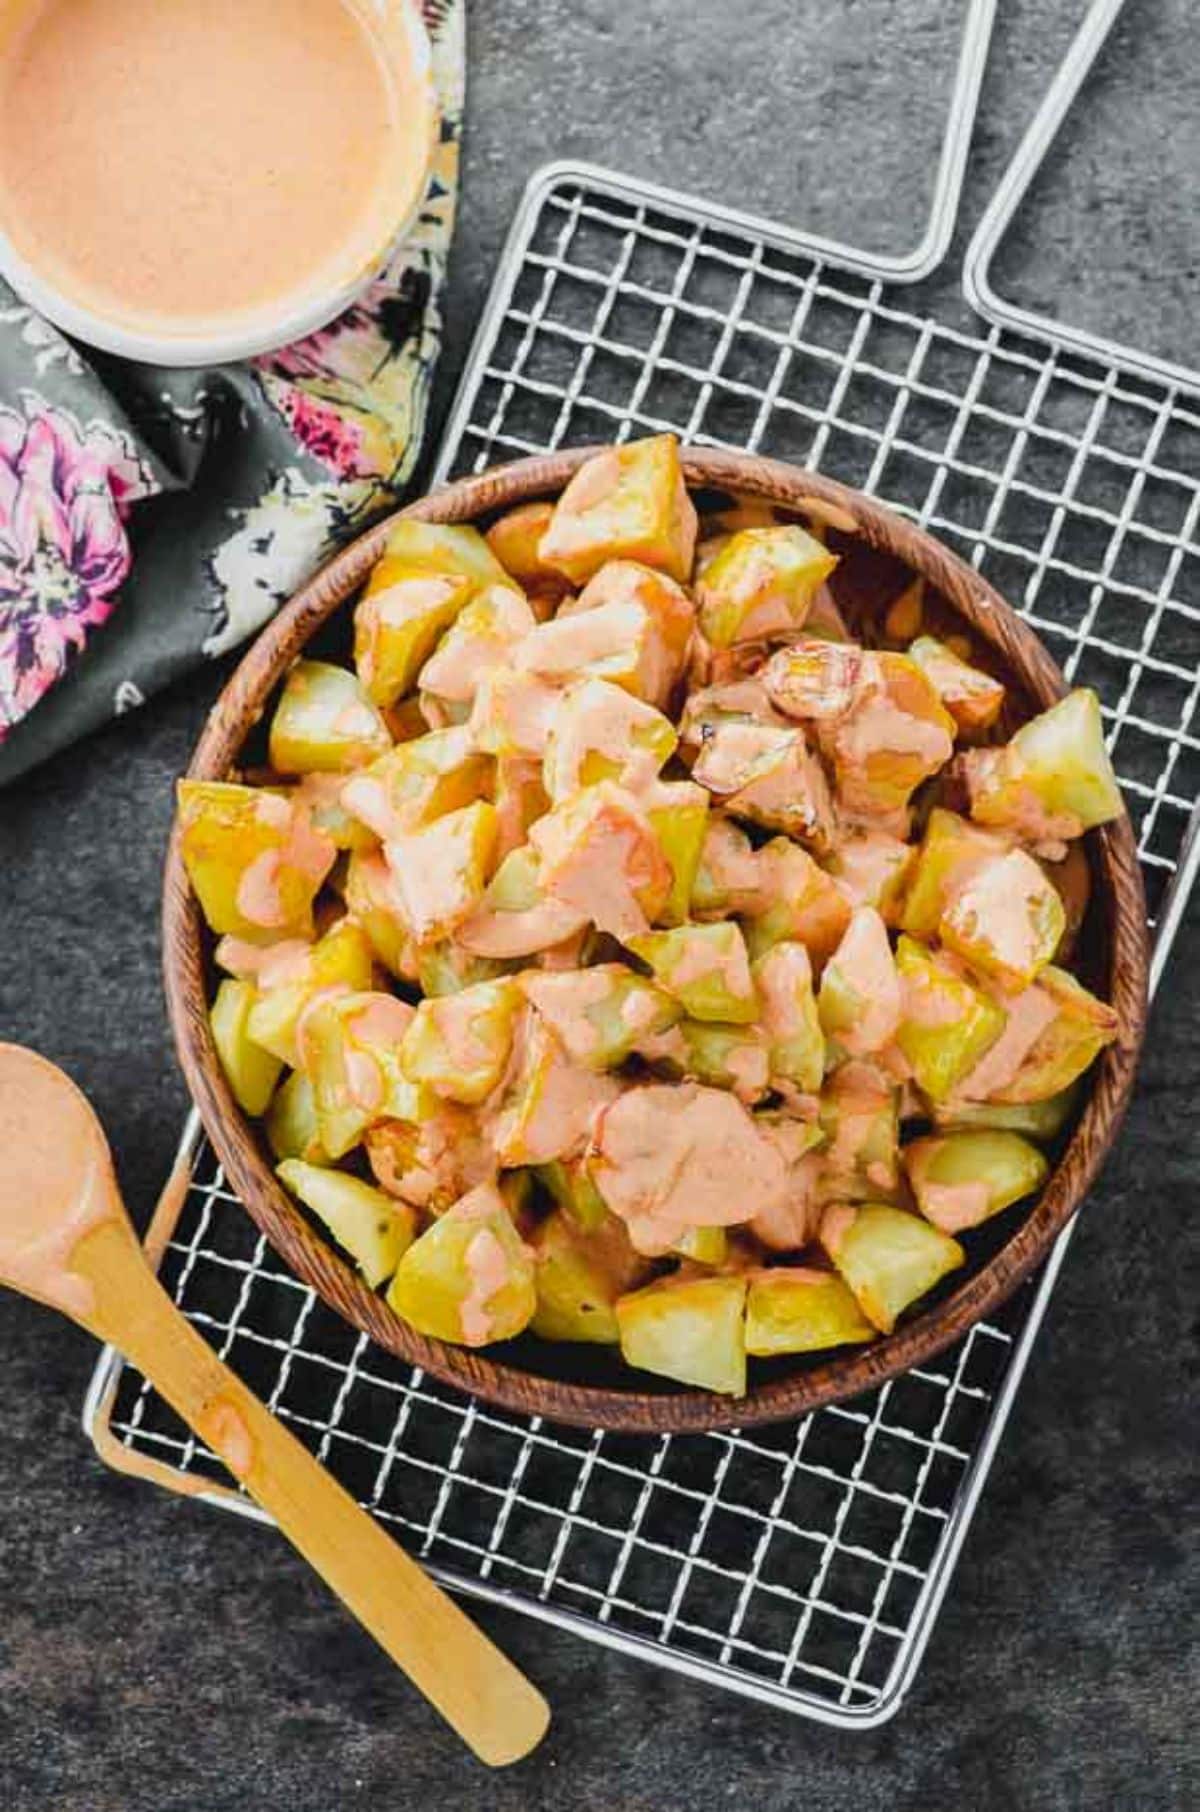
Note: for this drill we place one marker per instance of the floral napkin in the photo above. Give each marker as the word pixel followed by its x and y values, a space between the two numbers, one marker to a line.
pixel 150 517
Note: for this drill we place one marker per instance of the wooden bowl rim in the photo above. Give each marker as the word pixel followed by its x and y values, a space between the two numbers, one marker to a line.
pixel 242 703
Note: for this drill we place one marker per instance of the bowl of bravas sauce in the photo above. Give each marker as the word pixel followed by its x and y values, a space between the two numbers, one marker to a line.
pixel 192 184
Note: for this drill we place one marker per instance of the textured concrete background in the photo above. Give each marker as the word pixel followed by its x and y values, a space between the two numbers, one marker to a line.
pixel 155 1657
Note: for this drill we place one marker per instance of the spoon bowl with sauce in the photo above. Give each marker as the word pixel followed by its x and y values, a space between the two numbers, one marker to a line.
pixel 193 184
pixel 66 1240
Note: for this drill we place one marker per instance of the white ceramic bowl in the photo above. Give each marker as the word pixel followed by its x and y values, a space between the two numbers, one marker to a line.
pixel 401 33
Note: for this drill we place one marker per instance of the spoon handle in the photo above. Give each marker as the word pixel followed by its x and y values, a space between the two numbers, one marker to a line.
pixel 487 1700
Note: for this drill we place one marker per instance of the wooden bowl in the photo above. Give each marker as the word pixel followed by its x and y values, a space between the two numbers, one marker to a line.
pixel 590 1386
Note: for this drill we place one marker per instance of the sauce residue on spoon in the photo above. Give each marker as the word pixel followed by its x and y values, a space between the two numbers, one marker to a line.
pixel 180 166
pixel 56 1182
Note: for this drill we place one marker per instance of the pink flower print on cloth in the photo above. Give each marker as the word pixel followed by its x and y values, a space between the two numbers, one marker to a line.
pixel 65 491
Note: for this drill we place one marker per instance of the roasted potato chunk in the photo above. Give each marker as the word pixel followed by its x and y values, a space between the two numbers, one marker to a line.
pixel 795 1309
pixel 374 1228
pixel 253 859
pixel 470 1277
pixel 888 1258
pixel 761 582
pixel 324 722
pixel 250 1071
pixel 627 503
pixel 961 1179
pixel 692 1330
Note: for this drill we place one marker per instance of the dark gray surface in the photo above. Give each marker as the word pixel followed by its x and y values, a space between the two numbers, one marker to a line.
pixel 156 1657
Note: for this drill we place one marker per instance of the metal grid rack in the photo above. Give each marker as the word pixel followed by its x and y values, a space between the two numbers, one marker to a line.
pixel 801 1564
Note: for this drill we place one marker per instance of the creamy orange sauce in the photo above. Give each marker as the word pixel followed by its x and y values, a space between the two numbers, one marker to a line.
pixel 994 908
pixel 789 1223
pixel 1029 1013
pixel 482 640
pixel 383 1020
pixel 305 852
pixel 600 866
pixel 672 1157
pixel 487 1268
pixel 56 1181
pixel 955 1206
pixel 268 965
pixel 180 166
pixel 864 957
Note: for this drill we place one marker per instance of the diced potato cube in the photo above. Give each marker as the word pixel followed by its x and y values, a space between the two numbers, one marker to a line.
pixel 341 960
pixel 691 1330
pixel 859 1116
pixel 797 900
pixel 576 1288
pixel 516 916
pixel 481 638
pixel 599 1015
pixel 728 879
pixel 350 1051
pixel 874 869
pixel 1035 1119
pixel 889 1258
pixel 677 812
pixel 252 857
pixel 628 502
pixel 771 777
pixel 860 1001
pixel 370 901
pixel 250 1071
pixel 948 1023
pixel 1081 1028
pixel 601 732
pixel 374 1228
pixel 443 547
pixel 708 1246
pixel 320 795
pixel 761 582
pixel 668 1156
pixel 973 698
pixel 398 623
pixel 735 1057
pixel 598 855
pixel 291 1124
pixel 439 873
pixel 520 800
pixel 815 681
pixel 512 713
pixel 962 1178
pixel 795 1309
pixel 789 1220
pixel 620 642
pixel 459 1043
pixel 782 979
pixel 432 1161
pixel 419 781
pixel 324 722
pixel 515 539
pixel 446 968
pixel 705 967
pixel 895 735
pixel 951 850
pixel 549 1104
pixel 1006 919
pixel 572 1188
pixel 1053 781
pixel 470 1276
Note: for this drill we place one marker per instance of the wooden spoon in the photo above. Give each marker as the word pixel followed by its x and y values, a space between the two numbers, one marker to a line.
pixel 66 1239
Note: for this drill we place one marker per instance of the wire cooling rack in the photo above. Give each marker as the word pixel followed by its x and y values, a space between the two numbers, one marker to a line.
pixel 801 1564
